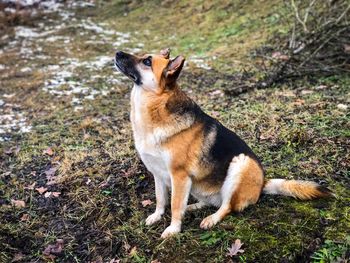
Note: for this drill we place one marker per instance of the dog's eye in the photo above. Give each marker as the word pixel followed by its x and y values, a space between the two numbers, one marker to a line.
pixel 147 61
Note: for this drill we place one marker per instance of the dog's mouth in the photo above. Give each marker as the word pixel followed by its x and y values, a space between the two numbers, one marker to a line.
pixel 121 69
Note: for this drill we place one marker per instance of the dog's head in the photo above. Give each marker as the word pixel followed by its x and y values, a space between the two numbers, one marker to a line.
pixel 150 72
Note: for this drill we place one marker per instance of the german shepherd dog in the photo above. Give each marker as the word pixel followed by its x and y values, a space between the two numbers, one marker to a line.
pixel 190 152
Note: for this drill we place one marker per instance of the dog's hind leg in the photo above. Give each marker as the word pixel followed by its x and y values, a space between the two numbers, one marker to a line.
pixel 241 187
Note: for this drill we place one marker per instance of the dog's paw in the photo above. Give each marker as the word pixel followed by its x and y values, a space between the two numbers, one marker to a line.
pixel 155 217
pixel 209 222
pixel 170 231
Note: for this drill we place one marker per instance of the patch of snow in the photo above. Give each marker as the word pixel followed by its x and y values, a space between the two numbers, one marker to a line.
pixel 25 32
pixel 341 106
pixel 78 108
pixel 26 69
pixel 10 10
pixel 11 121
pixel 200 62
pixel 8 96
pixel 89 25
pixel 28 32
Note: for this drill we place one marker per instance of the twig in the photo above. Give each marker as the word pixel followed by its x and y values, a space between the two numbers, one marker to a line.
pixel 321 46
pixel 342 15
pixel 298 17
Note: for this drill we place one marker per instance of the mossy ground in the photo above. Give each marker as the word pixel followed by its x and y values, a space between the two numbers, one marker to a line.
pixel 297 129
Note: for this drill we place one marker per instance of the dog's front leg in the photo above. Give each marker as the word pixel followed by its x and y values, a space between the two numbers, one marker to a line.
pixel 180 189
pixel 161 197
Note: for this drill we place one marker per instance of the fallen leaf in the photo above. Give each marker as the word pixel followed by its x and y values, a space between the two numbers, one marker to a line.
pixel 215 114
pixel 114 260
pixel 18 257
pixel 41 190
pixel 50 175
pixel 56 194
pixel 24 217
pixel 86 136
pixel 347 48
pixel 133 251
pixel 30 187
pixel 306 92
pixel 55 160
pixel 55 249
pixel 48 151
pixel 279 55
pixel 315 161
pixel 235 248
pixel 299 102
pixel 126 246
pixel 51 171
pixel 88 181
pixel 18 203
pixel 103 184
pixel 146 202
pixel 155 261
pixel 321 87
pixel 52 194
pixel 14 150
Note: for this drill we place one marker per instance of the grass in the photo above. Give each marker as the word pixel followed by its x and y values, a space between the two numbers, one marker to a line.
pixel 297 129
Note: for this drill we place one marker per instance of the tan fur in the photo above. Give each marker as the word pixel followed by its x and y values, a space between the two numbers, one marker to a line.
pixel 249 188
pixel 304 190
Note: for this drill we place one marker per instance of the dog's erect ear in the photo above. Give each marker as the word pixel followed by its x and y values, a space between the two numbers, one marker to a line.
pixel 165 53
pixel 174 68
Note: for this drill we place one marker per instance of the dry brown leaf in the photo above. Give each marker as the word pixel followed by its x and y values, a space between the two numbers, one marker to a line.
pixel 56 194
pixel 14 150
pixel 299 102
pixel 50 175
pixel 18 203
pixel 52 194
pixel 41 190
pixel 86 136
pixel 235 248
pixel 126 246
pixel 48 151
pixel 53 250
pixel 30 187
pixel 280 56
pixel 25 217
pixel 17 257
pixel 133 251
pixel 306 92
pixel 146 202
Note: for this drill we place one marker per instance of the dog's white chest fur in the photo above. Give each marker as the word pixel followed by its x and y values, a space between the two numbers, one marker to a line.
pixel 155 158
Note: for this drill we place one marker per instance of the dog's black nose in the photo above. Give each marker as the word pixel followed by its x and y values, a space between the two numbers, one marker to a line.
pixel 120 54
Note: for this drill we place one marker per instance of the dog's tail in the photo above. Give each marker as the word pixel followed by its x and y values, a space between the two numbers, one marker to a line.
pixel 304 190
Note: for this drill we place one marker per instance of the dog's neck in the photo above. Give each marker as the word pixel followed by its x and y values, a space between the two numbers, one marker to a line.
pixel 151 111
